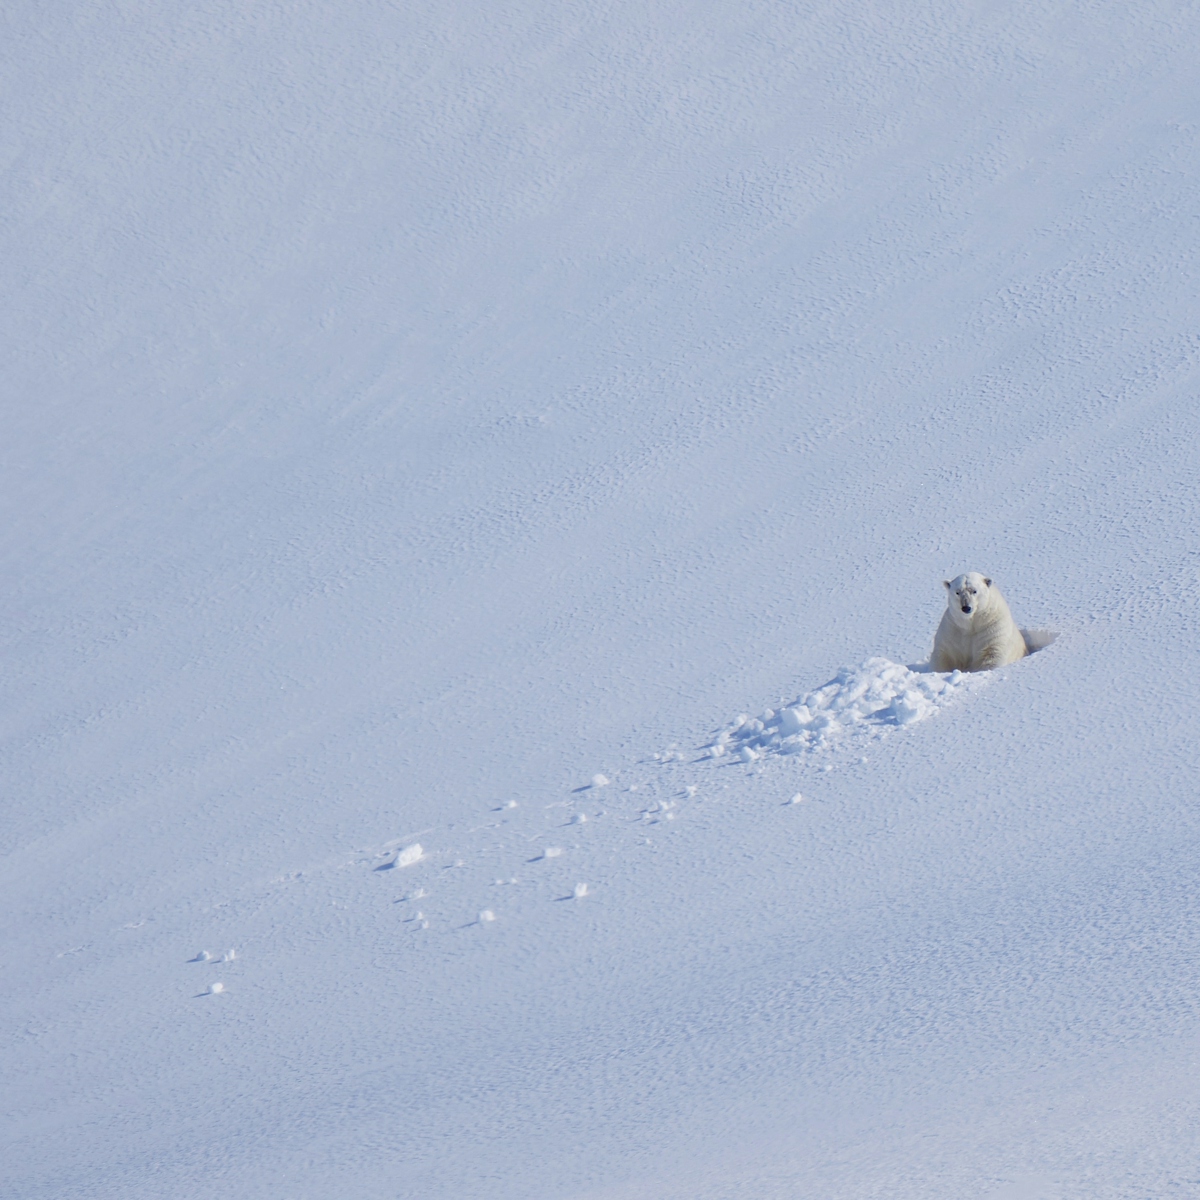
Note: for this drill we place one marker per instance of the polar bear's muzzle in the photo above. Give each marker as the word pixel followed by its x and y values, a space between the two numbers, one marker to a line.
pixel 966 596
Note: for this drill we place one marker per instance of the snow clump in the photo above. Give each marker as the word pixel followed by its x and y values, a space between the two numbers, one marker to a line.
pixel 409 855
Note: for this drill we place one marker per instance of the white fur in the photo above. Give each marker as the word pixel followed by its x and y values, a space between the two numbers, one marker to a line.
pixel 978 640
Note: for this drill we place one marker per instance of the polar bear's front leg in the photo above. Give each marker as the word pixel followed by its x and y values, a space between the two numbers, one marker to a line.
pixel 939 660
pixel 989 659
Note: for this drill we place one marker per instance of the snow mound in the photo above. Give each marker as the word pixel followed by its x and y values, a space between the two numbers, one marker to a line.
pixel 867 700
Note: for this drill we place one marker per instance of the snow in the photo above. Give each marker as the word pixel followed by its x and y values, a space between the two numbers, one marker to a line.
pixel 409 855
pixel 862 702
pixel 410 410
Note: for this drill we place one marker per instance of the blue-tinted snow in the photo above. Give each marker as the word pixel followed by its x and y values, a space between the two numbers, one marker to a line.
pixel 412 409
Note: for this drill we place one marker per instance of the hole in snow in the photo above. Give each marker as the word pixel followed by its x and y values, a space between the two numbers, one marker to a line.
pixel 1038 639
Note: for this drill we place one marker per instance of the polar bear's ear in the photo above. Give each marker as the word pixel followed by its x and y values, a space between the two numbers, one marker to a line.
pixel 946 584
pixel 987 583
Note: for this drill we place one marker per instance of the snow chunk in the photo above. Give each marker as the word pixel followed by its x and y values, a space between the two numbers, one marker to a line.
pixel 581 890
pixel 409 855
pixel 599 781
pixel 906 709
pixel 793 720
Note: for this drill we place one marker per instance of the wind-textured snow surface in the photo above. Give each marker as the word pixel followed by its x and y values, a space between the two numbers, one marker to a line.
pixel 430 431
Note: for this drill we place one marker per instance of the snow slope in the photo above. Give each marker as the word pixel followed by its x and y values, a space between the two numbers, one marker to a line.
pixel 433 426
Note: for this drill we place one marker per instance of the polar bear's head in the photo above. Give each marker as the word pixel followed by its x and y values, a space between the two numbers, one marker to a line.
pixel 966 595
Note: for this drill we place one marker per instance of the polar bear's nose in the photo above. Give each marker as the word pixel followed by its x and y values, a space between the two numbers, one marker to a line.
pixel 966 608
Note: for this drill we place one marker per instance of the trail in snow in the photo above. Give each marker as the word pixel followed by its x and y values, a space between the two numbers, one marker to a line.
pixel 529 852
pixel 863 702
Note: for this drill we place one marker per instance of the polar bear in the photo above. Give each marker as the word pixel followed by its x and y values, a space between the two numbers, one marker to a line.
pixel 977 631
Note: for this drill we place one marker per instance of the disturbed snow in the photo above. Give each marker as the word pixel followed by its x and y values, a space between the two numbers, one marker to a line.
pixel 878 694
pixel 810 737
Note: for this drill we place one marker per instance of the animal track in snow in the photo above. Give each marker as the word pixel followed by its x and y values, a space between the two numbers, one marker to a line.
pixel 864 701
pixel 822 728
